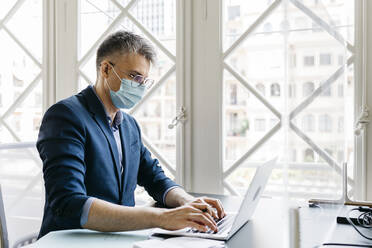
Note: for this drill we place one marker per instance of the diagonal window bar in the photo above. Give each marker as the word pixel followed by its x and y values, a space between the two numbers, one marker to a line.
pixel 23 194
pixel 323 24
pixel 252 90
pixel 153 89
pixel 251 28
pixel 22 97
pixel 91 50
pixel 86 78
pixel 163 161
pixel 334 165
pixel 22 47
pixel 11 12
pixel 230 188
pixel 253 149
pixel 323 86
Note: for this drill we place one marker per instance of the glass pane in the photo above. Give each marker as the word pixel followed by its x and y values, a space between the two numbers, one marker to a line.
pixel 159 17
pixel 30 12
pixel 287 58
pixel 243 129
pixel 94 13
pixel 21 106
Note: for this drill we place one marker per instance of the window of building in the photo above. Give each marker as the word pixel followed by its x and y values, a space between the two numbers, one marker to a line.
pixel 268 27
pixel 340 126
pixel 325 59
pixel 233 94
pixel 309 60
pixel 292 90
pixel 17 82
pixel 340 59
pixel 307 89
pixel 293 60
pixel 340 156
pixel 325 123
pixel 260 125
pixel 233 124
pixel 275 89
pixel 293 155
pixel 261 88
pixel 340 90
pixel 233 12
pixel 309 155
pixel 326 91
pixel 308 123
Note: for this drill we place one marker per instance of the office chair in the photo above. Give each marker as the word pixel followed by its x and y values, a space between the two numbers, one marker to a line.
pixel 4 241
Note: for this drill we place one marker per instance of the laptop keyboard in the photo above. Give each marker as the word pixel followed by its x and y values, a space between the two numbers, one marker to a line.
pixel 222 225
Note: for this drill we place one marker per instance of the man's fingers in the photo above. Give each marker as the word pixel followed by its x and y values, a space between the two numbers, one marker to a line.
pixel 204 207
pixel 197 226
pixel 201 218
pixel 217 205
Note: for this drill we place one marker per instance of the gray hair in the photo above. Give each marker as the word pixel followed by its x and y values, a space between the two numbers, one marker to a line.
pixel 123 42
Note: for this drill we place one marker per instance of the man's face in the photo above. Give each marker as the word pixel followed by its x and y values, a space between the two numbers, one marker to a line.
pixel 126 66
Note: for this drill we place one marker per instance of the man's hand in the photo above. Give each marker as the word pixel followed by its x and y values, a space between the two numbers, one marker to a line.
pixel 209 205
pixel 186 216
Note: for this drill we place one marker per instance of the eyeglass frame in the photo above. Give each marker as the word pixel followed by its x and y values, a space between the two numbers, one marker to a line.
pixel 147 82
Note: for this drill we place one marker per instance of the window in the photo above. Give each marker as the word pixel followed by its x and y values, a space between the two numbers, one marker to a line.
pixel 307 89
pixel 340 88
pixel 340 126
pixel 308 123
pixel 293 60
pixel 325 123
pixel 233 94
pixel 309 61
pixel 1 100
pixel 17 82
pixel 261 88
pixel 260 125
pixel 233 124
pixel 275 89
pixel 326 91
pixel 268 27
pixel 340 59
pixel 325 59
pixel 309 155
pixel 233 12
pixel 291 90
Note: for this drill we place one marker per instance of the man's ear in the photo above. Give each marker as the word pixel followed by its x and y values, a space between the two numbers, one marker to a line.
pixel 104 68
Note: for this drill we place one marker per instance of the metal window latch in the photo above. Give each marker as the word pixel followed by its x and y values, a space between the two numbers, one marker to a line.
pixel 363 120
pixel 181 116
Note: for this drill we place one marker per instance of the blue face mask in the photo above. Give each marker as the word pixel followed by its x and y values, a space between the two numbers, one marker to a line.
pixel 127 96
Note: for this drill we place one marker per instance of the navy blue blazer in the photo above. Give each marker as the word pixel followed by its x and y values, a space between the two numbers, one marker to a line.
pixel 81 160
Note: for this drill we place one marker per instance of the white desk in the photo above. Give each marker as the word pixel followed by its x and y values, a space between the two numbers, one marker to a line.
pixel 262 231
pixel 268 228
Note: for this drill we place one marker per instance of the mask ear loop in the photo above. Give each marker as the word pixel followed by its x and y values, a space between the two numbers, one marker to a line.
pixel 115 74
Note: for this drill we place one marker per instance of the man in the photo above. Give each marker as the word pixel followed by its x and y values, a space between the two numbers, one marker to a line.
pixel 93 156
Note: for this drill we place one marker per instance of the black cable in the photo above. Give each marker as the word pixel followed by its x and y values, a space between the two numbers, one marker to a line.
pixel 363 224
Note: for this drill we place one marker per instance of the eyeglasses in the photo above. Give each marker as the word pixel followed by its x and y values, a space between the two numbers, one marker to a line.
pixel 138 80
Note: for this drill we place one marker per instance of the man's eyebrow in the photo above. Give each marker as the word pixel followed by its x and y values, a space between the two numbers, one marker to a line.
pixel 136 72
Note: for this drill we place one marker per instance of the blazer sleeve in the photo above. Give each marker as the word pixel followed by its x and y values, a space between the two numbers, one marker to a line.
pixel 61 148
pixel 150 174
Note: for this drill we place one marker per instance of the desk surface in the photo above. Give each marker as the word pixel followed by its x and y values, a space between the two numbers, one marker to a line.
pixel 268 228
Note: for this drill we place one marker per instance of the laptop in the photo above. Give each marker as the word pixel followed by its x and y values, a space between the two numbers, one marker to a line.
pixel 232 222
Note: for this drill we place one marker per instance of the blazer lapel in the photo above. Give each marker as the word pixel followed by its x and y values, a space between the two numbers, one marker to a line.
pixel 96 108
pixel 125 146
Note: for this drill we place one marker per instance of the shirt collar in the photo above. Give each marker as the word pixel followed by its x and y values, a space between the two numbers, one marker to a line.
pixel 118 116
